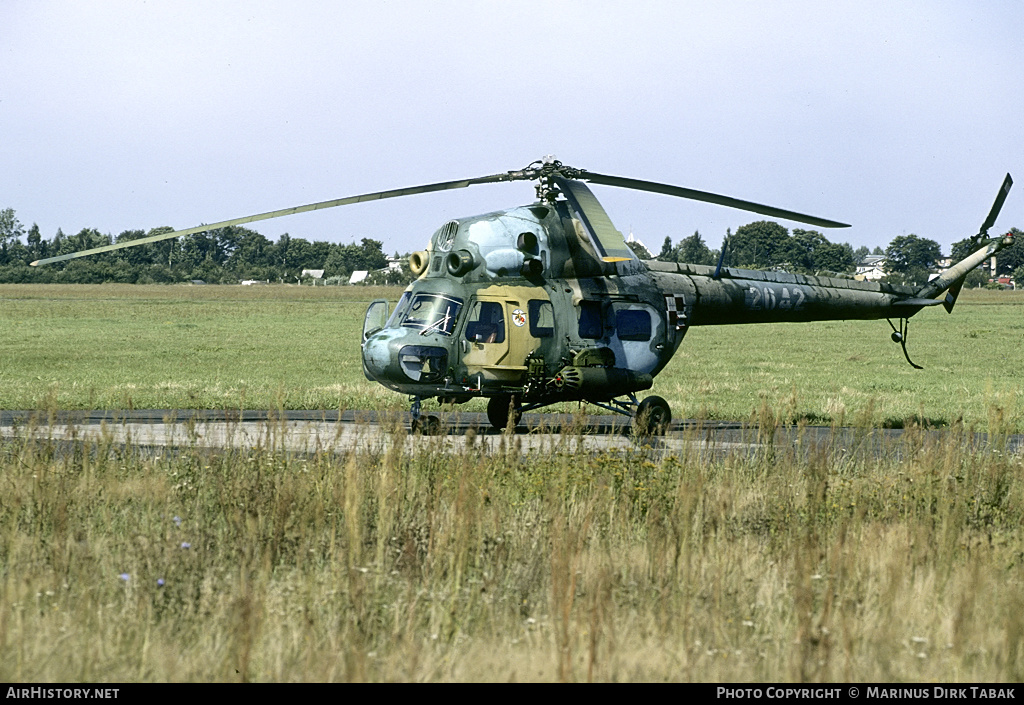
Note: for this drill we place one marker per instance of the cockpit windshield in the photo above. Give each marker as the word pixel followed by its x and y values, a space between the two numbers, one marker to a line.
pixel 434 313
pixel 398 314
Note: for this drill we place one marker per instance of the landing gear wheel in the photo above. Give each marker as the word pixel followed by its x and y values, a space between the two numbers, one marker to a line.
pixel 427 426
pixel 503 409
pixel 652 417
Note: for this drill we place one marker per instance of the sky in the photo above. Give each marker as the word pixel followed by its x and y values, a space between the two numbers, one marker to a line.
pixel 896 117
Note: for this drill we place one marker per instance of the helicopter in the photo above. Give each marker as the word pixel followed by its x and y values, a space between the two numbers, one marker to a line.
pixel 546 303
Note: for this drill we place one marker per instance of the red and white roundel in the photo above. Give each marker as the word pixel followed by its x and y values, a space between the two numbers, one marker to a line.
pixel 519 317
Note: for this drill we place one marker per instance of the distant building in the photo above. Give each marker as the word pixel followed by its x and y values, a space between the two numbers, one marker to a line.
pixel 636 241
pixel 314 273
pixel 871 268
pixel 358 276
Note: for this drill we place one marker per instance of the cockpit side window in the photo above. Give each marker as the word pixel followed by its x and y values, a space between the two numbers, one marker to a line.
pixel 486 322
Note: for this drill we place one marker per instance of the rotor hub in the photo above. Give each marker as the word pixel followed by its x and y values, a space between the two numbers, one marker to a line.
pixel 544 171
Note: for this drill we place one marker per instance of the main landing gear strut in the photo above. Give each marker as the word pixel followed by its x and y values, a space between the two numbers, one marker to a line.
pixel 650 417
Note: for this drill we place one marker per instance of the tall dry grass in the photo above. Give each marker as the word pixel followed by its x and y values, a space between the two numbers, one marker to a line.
pixel 402 561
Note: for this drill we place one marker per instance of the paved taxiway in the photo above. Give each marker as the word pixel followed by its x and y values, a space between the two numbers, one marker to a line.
pixel 310 432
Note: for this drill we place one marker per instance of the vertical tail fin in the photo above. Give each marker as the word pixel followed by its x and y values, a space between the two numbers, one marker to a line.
pixel 952 280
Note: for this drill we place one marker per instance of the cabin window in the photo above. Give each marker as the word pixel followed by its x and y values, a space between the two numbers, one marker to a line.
pixel 591 325
pixel 486 323
pixel 542 318
pixel 633 324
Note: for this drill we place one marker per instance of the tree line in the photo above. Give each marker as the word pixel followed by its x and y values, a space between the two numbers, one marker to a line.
pixel 767 245
pixel 908 259
pixel 225 255
pixel 232 254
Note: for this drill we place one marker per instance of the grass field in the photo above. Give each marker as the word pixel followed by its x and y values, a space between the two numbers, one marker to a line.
pixel 122 346
pixel 182 347
pixel 414 562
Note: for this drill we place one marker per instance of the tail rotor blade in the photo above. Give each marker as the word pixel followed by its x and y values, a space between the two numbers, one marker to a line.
pixel 996 207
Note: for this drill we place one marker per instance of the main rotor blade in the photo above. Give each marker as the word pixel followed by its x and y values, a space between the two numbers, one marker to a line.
pixel 375 196
pixel 997 206
pixel 695 195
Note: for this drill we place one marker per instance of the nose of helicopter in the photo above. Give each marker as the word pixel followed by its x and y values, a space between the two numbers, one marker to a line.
pixel 375 357
pixel 401 357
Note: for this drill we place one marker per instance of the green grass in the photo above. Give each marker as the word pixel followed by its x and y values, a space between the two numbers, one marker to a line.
pixel 210 347
pixel 121 346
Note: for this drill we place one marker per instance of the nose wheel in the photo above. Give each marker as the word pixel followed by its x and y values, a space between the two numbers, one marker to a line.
pixel 428 426
pixel 424 425
pixel 652 417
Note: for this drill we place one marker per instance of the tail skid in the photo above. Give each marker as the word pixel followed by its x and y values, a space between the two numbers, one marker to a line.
pixel 899 335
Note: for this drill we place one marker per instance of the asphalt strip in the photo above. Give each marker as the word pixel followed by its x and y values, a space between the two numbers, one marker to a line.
pixel 317 431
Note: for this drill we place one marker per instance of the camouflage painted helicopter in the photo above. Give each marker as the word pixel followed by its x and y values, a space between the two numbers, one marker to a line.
pixel 546 302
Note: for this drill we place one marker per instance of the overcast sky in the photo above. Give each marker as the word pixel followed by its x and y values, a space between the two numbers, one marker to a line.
pixel 897 117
